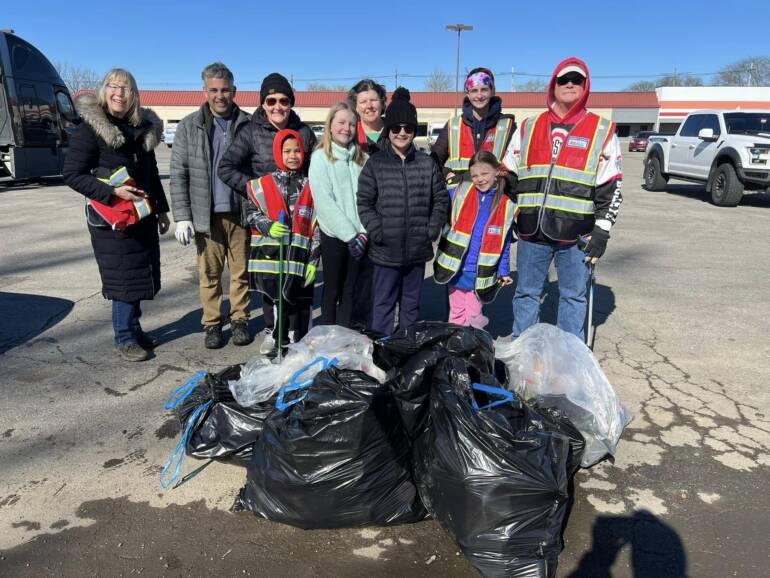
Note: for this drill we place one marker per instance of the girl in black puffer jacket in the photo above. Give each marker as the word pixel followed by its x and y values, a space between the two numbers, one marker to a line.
pixel 403 203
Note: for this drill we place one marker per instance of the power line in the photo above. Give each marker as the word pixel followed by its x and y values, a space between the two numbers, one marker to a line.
pixel 750 70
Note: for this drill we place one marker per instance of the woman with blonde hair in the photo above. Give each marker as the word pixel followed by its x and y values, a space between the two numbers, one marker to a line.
pixel 334 170
pixel 112 164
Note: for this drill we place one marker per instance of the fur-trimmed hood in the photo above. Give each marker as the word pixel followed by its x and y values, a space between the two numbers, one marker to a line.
pixel 95 117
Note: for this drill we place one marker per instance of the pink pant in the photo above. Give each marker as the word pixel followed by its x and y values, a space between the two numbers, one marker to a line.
pixel 465 309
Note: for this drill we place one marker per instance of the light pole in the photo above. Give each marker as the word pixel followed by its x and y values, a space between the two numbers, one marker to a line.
pixel 458 28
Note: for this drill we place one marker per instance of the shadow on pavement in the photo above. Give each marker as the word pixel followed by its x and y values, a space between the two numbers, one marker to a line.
pixel 657 550
pixel 698 192
pixel 24 316
pixel 434 305
pixel 126 538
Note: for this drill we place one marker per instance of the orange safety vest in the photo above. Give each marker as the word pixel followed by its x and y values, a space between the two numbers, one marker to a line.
pixel 558 194
pixel 461 147
pixel 265 251
pixel 456 238
pixel 121 213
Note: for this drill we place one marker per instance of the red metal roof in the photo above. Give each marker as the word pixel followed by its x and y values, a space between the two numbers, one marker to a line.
pixel 250 98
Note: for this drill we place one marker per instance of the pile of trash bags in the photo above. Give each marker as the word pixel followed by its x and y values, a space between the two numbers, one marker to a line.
pixel 436 420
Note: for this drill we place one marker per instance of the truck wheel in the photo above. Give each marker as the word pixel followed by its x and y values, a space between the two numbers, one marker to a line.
pixel 654 179
pixel 726 188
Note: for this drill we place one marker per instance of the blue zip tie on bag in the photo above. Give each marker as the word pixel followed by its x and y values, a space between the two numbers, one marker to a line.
pixel 280 403
pixel 180 394
pixel 506 395
pixel 179 451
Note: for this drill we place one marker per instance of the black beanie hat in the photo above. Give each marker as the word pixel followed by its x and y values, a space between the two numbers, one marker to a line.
pixel 275 83
pixel 400 110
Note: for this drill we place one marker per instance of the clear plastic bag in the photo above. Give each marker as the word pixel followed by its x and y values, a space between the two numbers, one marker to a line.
pixel 260 379
pixel 553 368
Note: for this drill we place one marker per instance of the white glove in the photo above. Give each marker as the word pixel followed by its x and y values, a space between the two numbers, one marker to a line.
pixel 184 232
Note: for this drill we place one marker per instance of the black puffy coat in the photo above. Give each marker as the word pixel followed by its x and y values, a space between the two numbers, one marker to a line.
pixel 251 153
pixel 403 203
pixel 129 261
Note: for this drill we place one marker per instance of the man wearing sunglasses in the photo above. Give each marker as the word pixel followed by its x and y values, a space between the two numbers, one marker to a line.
pixel 568 165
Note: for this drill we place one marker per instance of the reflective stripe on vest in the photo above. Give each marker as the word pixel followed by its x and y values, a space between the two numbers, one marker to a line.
pixel 454 242
pixel 557 202
pixel 487 285
pixel 120 212
pixel 266 195
pixel 456 161
pixel 585 176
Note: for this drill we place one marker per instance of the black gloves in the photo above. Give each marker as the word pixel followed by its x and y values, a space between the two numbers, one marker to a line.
pixel 597 244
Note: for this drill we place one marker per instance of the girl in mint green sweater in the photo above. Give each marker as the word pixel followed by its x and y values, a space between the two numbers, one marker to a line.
pixel 334 170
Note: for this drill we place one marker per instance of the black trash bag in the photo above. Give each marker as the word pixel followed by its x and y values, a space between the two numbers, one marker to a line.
pixel 337 458
pixel 225 431
pixel 413 354
pixel 494 472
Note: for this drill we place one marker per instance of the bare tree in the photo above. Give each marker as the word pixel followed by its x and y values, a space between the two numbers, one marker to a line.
pixel 439 81
pixel 318 87
pixel 667 80
pixel 534 85
pixel 78 78
pixel 641 86
pixel 747 72
pixel 679 80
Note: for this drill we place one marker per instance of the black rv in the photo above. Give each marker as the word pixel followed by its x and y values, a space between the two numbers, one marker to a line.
pixel 36 112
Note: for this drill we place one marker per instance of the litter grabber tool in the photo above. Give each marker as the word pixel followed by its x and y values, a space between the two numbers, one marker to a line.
pixel 279 340
pixel 590 332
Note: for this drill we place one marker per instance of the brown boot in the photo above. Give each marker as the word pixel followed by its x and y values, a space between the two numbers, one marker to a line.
pixel 132 352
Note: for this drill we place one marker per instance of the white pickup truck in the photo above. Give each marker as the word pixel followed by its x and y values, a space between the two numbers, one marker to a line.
pixel 728 150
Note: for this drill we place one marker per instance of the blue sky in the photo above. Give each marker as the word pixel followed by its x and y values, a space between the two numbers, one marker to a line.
pixel 166 43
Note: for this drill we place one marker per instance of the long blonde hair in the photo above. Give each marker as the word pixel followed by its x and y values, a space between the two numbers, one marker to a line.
pixel 326 142
pixel 122 75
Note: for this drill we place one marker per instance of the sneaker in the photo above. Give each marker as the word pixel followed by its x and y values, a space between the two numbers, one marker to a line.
pixel 132 352
pixel 147 341
pixel 268 343
pixel 214 339
pixel 241 335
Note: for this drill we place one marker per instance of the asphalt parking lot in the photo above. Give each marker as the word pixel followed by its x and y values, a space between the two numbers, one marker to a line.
pixel 683 320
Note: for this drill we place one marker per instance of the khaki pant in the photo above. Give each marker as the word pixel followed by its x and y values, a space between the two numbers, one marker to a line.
pixel 227 242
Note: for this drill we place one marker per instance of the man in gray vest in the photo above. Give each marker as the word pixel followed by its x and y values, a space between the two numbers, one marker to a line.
pixel 209 212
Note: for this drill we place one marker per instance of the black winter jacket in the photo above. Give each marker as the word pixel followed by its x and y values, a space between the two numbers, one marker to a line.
pixel 129 261
pixel 403 203
pixel 251 154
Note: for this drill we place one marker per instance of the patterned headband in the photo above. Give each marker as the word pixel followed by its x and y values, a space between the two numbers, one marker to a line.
pixel 478 79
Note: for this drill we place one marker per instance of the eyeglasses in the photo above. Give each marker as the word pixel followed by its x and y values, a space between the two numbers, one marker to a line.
pixel 272 101
pixel 407 128
pixel 118 88
pixel 572 77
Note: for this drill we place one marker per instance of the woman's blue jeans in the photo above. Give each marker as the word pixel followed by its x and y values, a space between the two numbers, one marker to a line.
pixel 125 321
pixel 532 263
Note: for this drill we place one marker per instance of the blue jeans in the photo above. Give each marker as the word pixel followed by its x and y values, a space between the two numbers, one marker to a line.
pixel 532 262
pixel 125 321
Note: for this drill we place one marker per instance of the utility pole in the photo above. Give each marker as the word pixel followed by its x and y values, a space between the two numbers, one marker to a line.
pixel 513 79
pixel 396 79
pixel 751 70
pixel 458 28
